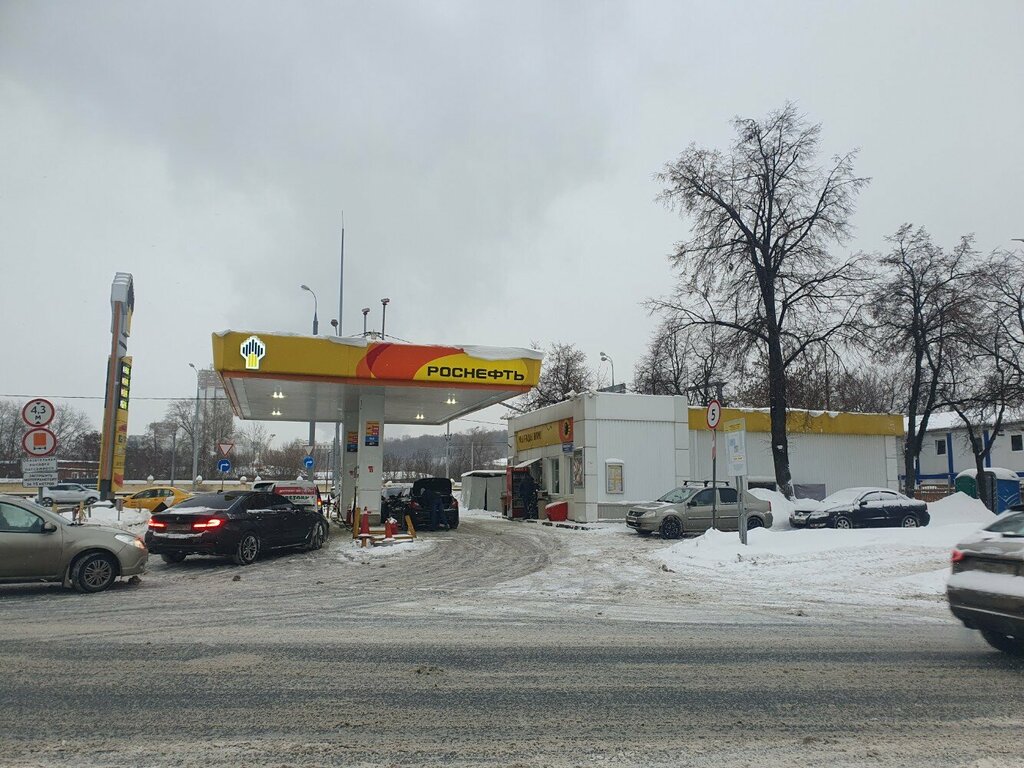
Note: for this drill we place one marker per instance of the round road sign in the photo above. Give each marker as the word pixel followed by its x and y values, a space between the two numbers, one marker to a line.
pixel 39 442
pixel 37 412
pixel 308 462
pixel 714 414
pixel 224 465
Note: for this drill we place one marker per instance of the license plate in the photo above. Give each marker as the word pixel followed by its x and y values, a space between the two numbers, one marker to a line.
pixel 176 535
pixel 994 566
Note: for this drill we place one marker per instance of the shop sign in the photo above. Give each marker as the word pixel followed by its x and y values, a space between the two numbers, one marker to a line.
pixel 552 433
pixel 372 433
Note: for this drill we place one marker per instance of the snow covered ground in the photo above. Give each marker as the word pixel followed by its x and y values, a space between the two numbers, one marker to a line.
pixel 781 570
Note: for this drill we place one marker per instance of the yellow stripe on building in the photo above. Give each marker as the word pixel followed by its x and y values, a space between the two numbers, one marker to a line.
pixel 809 422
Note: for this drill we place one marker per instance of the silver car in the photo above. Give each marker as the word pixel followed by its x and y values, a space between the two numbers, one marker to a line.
pixel 687 510
pixel 69 493
pixel 986 589
pixel 37 544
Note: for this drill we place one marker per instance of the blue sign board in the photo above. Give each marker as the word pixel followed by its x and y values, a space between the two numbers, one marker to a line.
pixel 308 462
pixel 224 465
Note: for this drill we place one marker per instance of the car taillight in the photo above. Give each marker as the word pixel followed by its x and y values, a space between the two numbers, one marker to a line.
pixel 203 525
pixel 156 524
pixel 769 506
pixel 455 504
pixel 414 504
pixel 957 556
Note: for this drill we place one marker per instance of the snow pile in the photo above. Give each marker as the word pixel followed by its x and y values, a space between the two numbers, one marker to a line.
pixel 783 507
pixel 866 566
pixel 959 508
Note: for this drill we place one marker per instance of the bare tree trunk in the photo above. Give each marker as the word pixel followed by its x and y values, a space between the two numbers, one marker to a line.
pixel 777 406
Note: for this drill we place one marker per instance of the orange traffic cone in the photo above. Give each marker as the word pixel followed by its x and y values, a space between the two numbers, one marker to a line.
pixel 390 527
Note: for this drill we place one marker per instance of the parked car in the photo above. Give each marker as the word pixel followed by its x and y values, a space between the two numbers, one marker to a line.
pixel 394 499
pixel 867 508
pixel 238 524
pixel 156 499
pixel 38 544
pixel 985 590
pixel 415 507
pixel 687 510
pixel 69 493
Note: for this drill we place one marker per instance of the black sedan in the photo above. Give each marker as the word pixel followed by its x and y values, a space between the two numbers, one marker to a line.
pixel 986 590
pixel 237 524
pixel 868 508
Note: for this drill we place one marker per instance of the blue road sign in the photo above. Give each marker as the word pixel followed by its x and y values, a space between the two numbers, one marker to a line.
pixel 224 465
pixel 308 462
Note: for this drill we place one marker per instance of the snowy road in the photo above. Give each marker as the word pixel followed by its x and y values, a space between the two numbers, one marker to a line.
pixel 497 644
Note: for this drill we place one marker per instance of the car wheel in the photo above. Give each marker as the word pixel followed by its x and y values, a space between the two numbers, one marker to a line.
pixel 909 521
pixel 843 523
pixel 1005 643
pixel 47 501
pixel 94 573
pixel 92 499
pixel 671 528
pixel 317 537
pixel 173 557
pixel 247 550
pixel 754 522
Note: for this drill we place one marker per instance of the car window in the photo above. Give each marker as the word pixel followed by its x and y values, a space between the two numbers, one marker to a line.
pixel 704 498
pixel 1011 523
pixel 17 520
pixel 280 502
pixel 873 496
pixel 210 501
pixel 677 495
pixel 727 495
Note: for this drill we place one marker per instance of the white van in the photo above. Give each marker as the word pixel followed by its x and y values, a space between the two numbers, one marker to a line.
pixel 301 492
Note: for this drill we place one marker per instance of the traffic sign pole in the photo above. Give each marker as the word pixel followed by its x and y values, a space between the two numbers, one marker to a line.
pixel 714 415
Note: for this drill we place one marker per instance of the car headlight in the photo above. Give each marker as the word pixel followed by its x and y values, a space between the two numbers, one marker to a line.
pixel 817 516
pixel 135 541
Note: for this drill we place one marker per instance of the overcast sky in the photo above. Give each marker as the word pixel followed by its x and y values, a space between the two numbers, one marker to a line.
pixel 493 160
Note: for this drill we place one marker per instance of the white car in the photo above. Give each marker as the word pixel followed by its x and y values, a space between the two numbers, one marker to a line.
pixel 69 493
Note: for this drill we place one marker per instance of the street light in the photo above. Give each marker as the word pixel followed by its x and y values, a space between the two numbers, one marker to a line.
pixel 605 357
pixel 316 323
pixel 383 314
pixel 316 328
pixel 195 431
pixel 366 311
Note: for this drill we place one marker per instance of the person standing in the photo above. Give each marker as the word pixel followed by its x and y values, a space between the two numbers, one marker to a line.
pixel 528 493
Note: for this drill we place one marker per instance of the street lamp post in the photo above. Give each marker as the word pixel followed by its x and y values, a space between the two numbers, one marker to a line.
pixel 607 359
pixel 195 430
pixel 383 314
pixel 316 329
pixel 316 323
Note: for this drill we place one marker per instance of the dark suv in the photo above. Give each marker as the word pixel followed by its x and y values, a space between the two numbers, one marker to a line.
pixel 415 504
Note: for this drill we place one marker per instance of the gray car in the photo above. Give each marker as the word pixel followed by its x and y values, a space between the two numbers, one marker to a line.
pixel 986 590
pixel 687 510
pixel 37 544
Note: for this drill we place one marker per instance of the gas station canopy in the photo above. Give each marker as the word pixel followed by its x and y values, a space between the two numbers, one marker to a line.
pixel 285 377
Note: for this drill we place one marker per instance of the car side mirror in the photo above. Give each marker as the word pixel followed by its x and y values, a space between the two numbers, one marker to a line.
pixel 49 527
pixel 863 502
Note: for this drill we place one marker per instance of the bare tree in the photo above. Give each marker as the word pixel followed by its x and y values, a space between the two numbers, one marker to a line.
pixel 565 370
pixel 679 360
pixel 918 307
pixel 757 266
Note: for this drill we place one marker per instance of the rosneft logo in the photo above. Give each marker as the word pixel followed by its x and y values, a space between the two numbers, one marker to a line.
pixel 253 350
